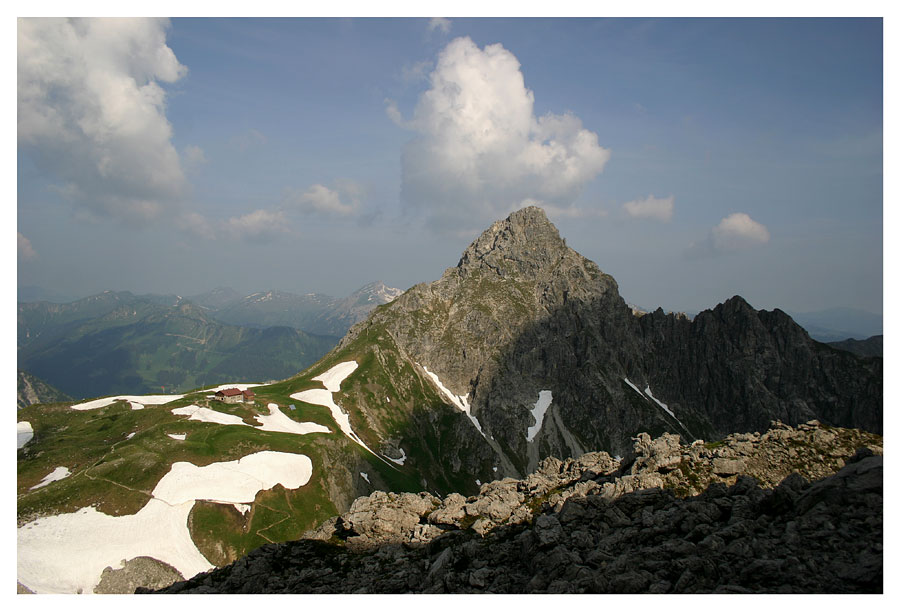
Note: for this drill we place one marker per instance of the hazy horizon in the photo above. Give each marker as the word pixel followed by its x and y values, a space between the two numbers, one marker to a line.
pixel 691 159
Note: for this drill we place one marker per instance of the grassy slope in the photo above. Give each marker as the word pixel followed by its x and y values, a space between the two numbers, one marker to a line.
pixel 117 474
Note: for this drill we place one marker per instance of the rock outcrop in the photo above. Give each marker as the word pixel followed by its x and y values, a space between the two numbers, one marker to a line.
pixel 789 510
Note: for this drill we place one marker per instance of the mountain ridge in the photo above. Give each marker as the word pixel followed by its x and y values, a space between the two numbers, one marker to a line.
pixel 521 313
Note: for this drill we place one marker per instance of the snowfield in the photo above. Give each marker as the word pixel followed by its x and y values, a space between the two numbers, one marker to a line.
pixel 141 400
pixel 545 398
pixel 55 475
pixel 239 386
pixel 204 414
pixel 276 421
pixel 177 436
pixel 332 380
pixel 462 402
pixel 67 553
pixel 24 433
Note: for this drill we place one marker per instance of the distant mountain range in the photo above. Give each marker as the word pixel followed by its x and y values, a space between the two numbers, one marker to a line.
pixel 120 342
pixel 123 343
pixel 312 312
pixel 837 324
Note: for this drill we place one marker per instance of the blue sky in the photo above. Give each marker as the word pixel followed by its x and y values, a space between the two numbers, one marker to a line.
pixel 692 159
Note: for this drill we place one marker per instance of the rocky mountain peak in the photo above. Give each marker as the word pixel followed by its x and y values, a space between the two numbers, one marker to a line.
pixel 524 243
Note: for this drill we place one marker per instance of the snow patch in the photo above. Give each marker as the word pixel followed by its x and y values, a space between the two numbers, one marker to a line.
pixel 365 476
pixel 477 482
pixel 278 422
pixel 332 380
pixel 67 553
pixel 144 400
pixel 129 435
pixel 204 414
pixel 665 407
pixel 136 405
pixel 400 460
pixel 242 507
pixel 54 476
pixel 659 403
pixel 545 398
pixel 239 386
pixel 24 433
pixel 177 436
pixel 462 402
pixel 627 381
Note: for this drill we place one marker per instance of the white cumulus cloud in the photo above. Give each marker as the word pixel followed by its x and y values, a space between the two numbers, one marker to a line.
pixel 439 23
pixel 91 111
pixel 25 250
pixel 651 207
pixel 735 232
pixel 738 231
pixel 343 200
pixel 479 149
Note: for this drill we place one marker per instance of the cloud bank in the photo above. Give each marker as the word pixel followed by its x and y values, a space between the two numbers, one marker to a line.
pixel 479 150
pixel 91 110
pixel 651 208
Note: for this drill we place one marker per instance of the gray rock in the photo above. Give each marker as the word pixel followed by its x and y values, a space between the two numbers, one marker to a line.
pixel 142 571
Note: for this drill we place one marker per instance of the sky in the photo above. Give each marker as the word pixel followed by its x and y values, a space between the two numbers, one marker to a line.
pixel 691 159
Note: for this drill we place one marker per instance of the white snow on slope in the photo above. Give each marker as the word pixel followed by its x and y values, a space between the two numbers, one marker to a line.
pixel 627 381
pixel 24 433
pixel 278 422
pixel 659 403
pixel 365 476
pixel 55 475
pixel 665 407
pixel 462 402
pixel 144 400
pixel 136 405
pixel 129 436
pixel 332 380
pixel 67 553
pixel 242 507
pixel 239 386
pixel 177 436
pixel 545 397
pixel 400 460
pixel 204 414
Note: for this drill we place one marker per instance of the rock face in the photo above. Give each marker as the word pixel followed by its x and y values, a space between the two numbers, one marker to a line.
pixel 31 390
pixel 137 572
pixel 523 313
pixel 739 515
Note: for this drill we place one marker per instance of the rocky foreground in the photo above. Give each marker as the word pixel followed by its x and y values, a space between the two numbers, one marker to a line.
pixel 790 510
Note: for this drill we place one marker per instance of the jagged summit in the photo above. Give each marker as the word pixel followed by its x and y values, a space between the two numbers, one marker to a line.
pixel 526 242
